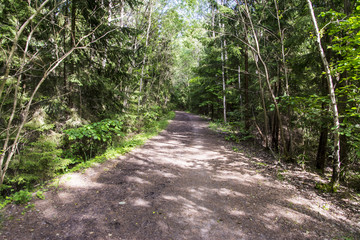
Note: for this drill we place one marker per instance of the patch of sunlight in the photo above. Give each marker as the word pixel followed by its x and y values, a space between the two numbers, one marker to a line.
pixel 164 174
pixel 236 212
pixel 321 207
pixel 174 162
pixel 170 198
pixel 140 162
pixel 166 144
pixel 189 207
pixel 228 192
pixel 293 216
pixel 66 197
pixel 78 180
pixel 199 165
pixel 50 212
pixel 198 146
pixel 238 164
pixel 192 211
pixel 137 180
pixel 139 202
pixel 197 193
pixel 225 175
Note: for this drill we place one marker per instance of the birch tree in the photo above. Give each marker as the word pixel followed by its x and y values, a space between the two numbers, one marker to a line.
pixel 331 89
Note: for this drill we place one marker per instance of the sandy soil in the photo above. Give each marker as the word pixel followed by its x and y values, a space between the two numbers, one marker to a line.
pixel 186 183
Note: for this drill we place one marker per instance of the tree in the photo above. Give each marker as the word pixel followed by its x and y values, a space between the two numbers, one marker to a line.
pixel 336 122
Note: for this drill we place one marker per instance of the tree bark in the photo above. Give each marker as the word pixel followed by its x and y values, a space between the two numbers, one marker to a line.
pixel 223 75
pixel 337 162
pixel 145 56
pixel 324 130
pixel 246 90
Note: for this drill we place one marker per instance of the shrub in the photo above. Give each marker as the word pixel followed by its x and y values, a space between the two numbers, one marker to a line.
pixel 21 197
pixel 91 139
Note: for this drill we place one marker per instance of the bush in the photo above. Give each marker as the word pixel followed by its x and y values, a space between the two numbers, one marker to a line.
pixel 91 139
pixel 21 197
pixel 152 115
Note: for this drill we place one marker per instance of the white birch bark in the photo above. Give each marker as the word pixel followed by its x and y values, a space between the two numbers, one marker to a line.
pixel 337 161
pixel 145 56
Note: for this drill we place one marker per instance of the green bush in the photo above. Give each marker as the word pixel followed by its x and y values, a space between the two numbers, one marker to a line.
pixel 21 197
pixel 152 115
pixel 89 140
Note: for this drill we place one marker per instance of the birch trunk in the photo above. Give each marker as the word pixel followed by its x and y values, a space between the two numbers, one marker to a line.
pixel 223 77
pixel 331 88
pixel 145 57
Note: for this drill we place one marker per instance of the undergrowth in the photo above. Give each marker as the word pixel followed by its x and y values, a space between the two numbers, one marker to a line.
pixel 234 131
pixel 48 157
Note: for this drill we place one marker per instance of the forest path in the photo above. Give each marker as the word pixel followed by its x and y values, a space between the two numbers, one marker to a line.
pixel 183 184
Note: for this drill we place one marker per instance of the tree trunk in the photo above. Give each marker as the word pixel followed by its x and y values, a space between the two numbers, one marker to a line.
pixel 240 92
pixel 246 90
pixel 344 145
pixel 337 162
pixel 322 148
pixel 145 56
pixel 321 153
pixel 223 75
pixel 262 96
pixel 275 123
pixel 72 61
pixel 247 109
pixel 213 21
pixel 6 159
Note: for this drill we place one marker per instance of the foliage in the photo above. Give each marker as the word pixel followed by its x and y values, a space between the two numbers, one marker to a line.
pixel 86 141
pixel 40 195
pixel 324 187
pixel 229 50
pixel 118 148
pixel 151 115
pixel 83 74
pixel 21 197
pixel 111 76
pixel 127 144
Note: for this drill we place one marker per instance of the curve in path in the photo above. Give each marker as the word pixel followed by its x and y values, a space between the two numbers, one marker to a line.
pixel 183 184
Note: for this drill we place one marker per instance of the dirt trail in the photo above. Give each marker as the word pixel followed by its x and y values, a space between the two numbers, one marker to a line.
pixel 183 184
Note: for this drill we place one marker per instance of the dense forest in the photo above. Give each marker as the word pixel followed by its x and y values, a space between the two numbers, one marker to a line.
pixel 78 77
pixel 284 72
